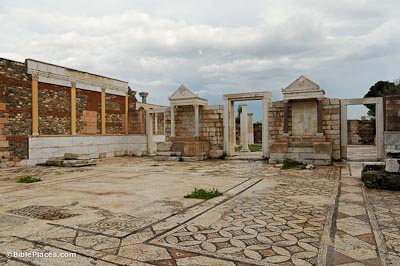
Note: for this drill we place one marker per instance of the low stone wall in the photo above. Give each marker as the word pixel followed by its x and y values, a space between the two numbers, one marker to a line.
pixel 361 132
pixel 392 113
pixel 392 141
pixel 42 148
pixel 211 124
pixel 257 133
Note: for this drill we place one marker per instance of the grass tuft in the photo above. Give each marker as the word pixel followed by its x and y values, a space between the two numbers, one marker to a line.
pixel 200 193
pixel 290 164
pixel 28 179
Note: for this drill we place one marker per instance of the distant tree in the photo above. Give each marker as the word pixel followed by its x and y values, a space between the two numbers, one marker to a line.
pixel 381 89
pixel 239 110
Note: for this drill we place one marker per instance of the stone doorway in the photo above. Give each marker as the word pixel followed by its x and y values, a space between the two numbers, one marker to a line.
pixel 350 152
pixel 229 119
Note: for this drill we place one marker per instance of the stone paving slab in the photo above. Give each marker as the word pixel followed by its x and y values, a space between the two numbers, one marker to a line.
pixel 131 211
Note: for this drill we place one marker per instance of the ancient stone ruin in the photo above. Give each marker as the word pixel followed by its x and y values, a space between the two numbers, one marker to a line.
pixel 47 111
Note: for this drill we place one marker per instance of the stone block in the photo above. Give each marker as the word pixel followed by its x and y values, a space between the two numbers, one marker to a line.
pixel 322 148
pixel 75 156
pixel 215 154
pixel 164 146
pixel 392 165
pixel 3 137
pixel 2 106
pixel 279 147
pixel 4 144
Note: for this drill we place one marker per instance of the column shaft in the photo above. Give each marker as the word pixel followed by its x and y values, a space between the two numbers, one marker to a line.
pixel 172 121
pixel 244 129
pixel 286 118
pixel 126 113
pixel 103 111
pixel 73 108
pixel 35 106
pixel 319 116
pixel 196 120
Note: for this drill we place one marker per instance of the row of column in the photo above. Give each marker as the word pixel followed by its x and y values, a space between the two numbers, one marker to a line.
pixel 196 120
pixel 35 108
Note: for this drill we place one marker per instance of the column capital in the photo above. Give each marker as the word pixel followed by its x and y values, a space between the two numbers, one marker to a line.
pixel 73 84
pixel 35 77
pixel 103 90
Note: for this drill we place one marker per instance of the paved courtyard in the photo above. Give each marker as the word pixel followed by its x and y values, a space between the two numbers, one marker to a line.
pixel 131 211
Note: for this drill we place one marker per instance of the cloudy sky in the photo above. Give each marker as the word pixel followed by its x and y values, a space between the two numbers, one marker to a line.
pixel 213 47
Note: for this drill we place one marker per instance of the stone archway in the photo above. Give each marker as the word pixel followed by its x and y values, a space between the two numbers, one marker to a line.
pixel 379 119
pixel 229 119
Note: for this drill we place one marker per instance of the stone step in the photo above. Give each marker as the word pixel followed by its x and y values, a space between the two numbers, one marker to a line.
pixel 166 158
pixel 301 144
pixel 76 156
pixel 169 153
pixel 78 163
pixel 164 146
pixel 301 149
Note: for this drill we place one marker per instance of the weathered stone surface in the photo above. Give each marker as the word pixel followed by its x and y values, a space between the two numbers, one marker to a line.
pixel 78 163
pixel 380 179
pixel 76 156
pixel 164 146
pixel 392 165
pixel 216 154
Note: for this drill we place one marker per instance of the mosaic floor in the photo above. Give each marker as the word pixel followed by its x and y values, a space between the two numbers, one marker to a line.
pixel 131 211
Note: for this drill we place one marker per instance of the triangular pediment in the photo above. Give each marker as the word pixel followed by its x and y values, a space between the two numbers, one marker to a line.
pixel 302 88
pixel 183 93
pixel 302 83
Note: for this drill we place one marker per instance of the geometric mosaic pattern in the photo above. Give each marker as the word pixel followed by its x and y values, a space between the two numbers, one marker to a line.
pixel 43 212
pixel 282 232
pixel 264 228
pixel 386 207
pixel 116 224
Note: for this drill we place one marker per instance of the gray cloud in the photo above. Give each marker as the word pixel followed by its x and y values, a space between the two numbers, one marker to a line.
pixel 214 47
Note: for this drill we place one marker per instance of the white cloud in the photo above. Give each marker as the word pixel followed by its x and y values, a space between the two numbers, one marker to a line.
pixel 213 47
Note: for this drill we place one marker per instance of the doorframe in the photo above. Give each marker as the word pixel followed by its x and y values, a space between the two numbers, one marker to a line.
pixel 229 119
pixel 379 124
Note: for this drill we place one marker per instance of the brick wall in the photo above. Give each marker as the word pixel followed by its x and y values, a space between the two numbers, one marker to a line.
pixel 360 132
pixel 392 113
pixel 15 99
pixel 210 124
pixel 54 109
pixel 88 108
pixel 331 125
pixel 257 133
pixel 137 121
pixel 115 114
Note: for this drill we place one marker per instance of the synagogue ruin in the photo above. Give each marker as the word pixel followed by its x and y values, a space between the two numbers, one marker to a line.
pixel 49 110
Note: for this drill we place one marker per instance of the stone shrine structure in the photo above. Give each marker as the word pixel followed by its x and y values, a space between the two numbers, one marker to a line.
pixel 305 126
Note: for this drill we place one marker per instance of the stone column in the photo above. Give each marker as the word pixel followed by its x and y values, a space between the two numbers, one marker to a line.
pixel 103 111
pixel 285 118
pixel 343 130
pixel 232 128
pixel 35 106
pixel 73 108
pixel 196 120
pixel 144 95
pixel 155 123
pixel 172 120
pixel 243 129
pixel 226 127
pixel 126 113
pixel 149 132
pixel 380 154
pixel 250 129
pixel 319 118
pixel 265 123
